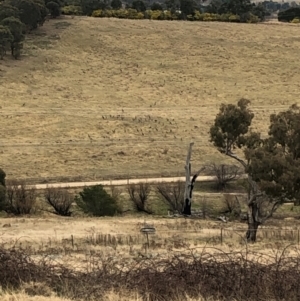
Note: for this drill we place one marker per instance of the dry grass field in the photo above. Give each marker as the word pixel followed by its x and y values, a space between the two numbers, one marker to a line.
pixel 95 98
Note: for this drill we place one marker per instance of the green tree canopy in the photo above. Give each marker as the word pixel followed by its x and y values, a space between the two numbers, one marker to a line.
pixel 54 9
pixel 16 28
pixel 5 39
pixel 139 5
pixel 7 10
pixel 30 12
pixel 116 4
pixel 156 6
pixel 272 163
pixel 188 7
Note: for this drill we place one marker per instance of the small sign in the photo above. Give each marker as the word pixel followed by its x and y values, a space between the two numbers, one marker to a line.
pixel 148 230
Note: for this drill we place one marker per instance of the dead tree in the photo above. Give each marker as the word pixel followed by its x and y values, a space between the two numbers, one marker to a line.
pixel 139 194
pixel 172 194
pixel 189 183
pixel 60 200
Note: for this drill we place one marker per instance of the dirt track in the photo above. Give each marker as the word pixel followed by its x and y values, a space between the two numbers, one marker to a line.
pixel 120 182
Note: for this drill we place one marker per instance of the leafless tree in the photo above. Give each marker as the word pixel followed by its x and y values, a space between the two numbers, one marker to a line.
pixel 172 194
pixel 60 200
pixel 20 199
pixel 224 174
pixel 139 194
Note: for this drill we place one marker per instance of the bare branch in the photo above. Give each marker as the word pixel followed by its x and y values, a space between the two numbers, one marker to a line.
pixel 20 198
pixel 60 200
pixel 172 194
pixel 139 194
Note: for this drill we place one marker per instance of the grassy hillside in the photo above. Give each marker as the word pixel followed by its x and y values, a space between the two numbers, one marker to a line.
pixel 95 98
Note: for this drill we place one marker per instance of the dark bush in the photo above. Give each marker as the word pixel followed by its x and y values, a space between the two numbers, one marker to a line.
pixel 116 4
pixel 54 9
pixel 96 201
pixel 289 14
pixel 156 6
pixel 139 5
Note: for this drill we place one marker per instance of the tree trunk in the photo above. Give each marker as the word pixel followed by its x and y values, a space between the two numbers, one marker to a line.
pixel 187 207
pixel 253 222
pixel 189 185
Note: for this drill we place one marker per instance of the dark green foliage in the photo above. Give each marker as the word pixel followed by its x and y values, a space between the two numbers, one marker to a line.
pixel 172 5
pixel 7 10
pixel 289 14
pixel 16 28
pixel 5 39
pixel 30 13
pixel 231 124
pixel 139 5
pixel 96 201
pixel 2 189
pixel 54 9
pixel 188 7
pixel 272 164
pixel 241 8
pixel 276 163
pixel 88 6
pixel 156 6
pixel 2 198
pixel 260 11
pixel 2 177
pixel 116 4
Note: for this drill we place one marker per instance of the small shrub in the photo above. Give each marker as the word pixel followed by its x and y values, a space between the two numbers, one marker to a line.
pixel 295 21
pixel 96 201
pixel 97 13
pixel 157 15
pixel 234 18
pixel 139 194
pixel 71 10
pixel 20 199
pixel 60 200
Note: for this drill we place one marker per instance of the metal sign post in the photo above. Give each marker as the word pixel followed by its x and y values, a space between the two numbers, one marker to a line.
pixel 146 230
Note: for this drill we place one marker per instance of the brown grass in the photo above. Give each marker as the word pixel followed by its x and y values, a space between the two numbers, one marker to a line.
pixel 157 85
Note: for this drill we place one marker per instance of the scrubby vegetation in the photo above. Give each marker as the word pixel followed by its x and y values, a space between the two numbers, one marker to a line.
pixel 239 275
